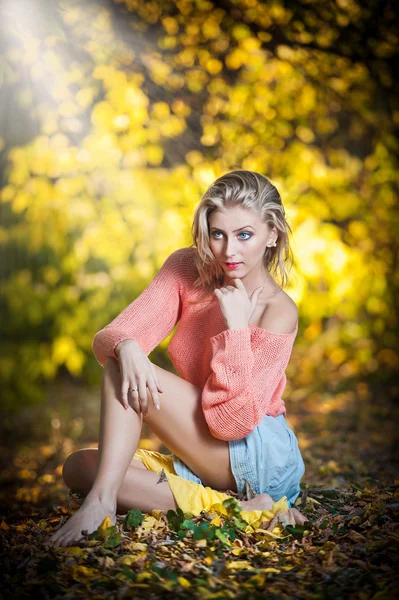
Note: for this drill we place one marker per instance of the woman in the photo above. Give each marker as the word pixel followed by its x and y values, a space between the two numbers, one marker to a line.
pixel 223 419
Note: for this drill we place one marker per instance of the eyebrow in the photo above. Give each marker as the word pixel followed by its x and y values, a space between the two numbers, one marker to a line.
pixel 245 227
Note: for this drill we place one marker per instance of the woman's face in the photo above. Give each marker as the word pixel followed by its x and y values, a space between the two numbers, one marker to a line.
pixel 237 235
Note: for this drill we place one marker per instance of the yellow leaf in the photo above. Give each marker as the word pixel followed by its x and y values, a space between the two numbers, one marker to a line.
pixel 157 513
pixel 281 504
pixel 270 534
pixel 139 546
pixel 143 576
pixel 148 523
pixel 4 526
pixel 184 582
pixel 74 551
pixel 82 574
pixel 239 564
pixel 129 559
pixel 258 579
pixel 248 529
pixel 237 551
pixel 219 508
pixel 216 521
pixel 104 526
pixel 271 570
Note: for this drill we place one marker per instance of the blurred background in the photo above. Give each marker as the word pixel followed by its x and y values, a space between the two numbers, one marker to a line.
pixel 115 117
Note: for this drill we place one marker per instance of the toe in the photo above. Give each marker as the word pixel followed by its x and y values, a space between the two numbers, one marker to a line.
pixel 299 517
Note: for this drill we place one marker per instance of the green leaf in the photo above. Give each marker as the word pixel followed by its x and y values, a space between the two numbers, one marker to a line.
pixel 222 537
pixel 324 524
pixel 165 574
pixel 232 506
pixel 239 523
pixel 204 531
pixel 126 571
pixel 134 517
pixel 113 541
pixel 175 518
pixel 296 531
pixel 189 524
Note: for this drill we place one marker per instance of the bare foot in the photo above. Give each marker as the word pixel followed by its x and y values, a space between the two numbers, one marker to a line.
pixel 88 517
pixel 293 517
pixel 259 502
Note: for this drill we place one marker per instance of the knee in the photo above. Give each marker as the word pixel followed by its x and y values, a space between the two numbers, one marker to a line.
pixel 78 469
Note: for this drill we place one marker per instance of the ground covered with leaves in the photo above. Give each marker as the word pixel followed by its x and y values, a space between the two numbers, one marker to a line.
pixel 346 549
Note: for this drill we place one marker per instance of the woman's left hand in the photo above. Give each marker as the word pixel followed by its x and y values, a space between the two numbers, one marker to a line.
pixel 236 306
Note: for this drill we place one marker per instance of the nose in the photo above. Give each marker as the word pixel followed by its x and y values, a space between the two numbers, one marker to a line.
pixel 230 249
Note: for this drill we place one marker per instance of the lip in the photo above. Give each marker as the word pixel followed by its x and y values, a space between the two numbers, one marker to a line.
pixel 232 265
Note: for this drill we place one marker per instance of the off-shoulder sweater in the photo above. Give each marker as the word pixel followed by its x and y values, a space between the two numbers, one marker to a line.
pixel 241 372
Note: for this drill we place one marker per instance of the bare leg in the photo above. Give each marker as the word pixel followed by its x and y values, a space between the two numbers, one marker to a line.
pixel 140 487
pixel 119 436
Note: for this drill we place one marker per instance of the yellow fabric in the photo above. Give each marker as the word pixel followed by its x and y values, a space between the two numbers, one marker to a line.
pixel 193 497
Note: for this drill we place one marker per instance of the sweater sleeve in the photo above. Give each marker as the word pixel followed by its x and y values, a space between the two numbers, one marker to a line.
pixel 248 376
pixel 150 317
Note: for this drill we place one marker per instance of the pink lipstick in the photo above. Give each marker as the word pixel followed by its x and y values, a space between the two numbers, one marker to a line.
pixel 232 265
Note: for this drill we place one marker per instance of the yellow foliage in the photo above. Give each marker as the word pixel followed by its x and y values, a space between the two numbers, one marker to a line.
pixel 106 523
pixel 83 574
pixel 238 564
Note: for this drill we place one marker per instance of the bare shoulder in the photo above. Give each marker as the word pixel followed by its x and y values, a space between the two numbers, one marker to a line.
pixel 281 315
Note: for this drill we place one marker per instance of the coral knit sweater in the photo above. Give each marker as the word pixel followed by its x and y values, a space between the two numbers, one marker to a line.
pixel 241 372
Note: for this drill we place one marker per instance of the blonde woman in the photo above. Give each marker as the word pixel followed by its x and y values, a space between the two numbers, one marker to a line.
pixel 223 418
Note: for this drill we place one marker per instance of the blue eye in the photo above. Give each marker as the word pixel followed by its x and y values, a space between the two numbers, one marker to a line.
pixel 242 233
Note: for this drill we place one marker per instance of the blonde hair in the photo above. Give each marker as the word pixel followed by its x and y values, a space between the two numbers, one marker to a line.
pixel 250 190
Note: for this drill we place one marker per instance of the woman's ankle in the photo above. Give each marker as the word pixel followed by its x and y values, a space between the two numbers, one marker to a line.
pixel 104 497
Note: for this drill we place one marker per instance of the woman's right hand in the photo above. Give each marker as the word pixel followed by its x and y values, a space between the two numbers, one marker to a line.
pixel 137 373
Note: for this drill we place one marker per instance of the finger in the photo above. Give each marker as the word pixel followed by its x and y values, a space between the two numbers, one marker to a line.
pixel 299 517
pixel 134 396
pixel 238 282
pixel 124 393
pixel 142 391
pixel 135 401
pixel 144 406
pixel 154 394
pixel 291 517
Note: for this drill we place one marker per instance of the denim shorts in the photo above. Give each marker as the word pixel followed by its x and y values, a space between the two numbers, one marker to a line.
pixel 268 458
